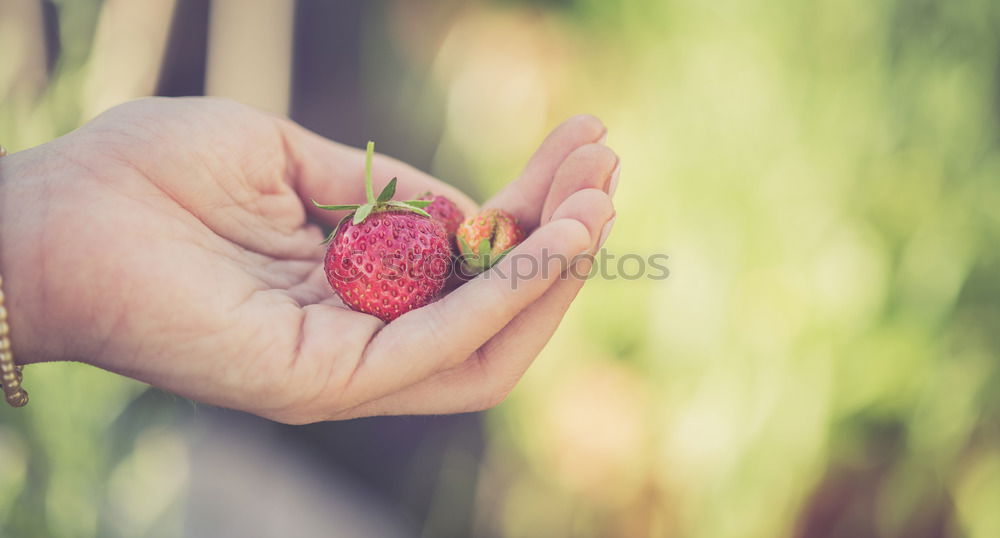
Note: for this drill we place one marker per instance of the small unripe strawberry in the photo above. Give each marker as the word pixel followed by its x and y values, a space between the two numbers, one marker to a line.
pixel 444 211
pixel 386 257
pixel 485 238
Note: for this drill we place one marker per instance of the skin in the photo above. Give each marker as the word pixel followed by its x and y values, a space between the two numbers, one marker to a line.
pixel 173 241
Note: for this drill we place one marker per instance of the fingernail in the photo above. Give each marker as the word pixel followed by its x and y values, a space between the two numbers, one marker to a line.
pixel 603 138
pixel 605 232
pixel 613 183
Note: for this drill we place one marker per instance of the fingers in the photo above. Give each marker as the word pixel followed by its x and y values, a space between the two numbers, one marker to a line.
pixel 489 374
pixel 525 197
pixel 506 357
pixel 332 173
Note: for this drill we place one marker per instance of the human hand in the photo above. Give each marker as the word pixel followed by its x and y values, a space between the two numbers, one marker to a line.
pixel 169 240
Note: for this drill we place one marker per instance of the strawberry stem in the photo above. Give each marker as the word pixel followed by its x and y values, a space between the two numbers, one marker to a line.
pixel 382 203
pixel 369 190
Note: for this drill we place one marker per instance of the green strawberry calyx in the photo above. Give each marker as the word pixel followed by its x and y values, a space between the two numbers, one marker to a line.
pixel 483 257
pixel 383 202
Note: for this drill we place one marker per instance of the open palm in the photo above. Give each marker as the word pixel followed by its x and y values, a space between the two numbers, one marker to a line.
pixel 180 249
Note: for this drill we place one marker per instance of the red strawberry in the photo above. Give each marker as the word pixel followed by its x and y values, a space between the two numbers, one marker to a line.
pixel 387 257
pixel 444 211
pixel 484 239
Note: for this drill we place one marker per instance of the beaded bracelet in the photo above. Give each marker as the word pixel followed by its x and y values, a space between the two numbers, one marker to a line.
pixel 10 375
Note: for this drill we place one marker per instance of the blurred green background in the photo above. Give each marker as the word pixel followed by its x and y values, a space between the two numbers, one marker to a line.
pixel 825 177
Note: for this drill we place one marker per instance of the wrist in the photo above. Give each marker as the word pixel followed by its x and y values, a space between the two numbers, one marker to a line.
pixel 22 214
